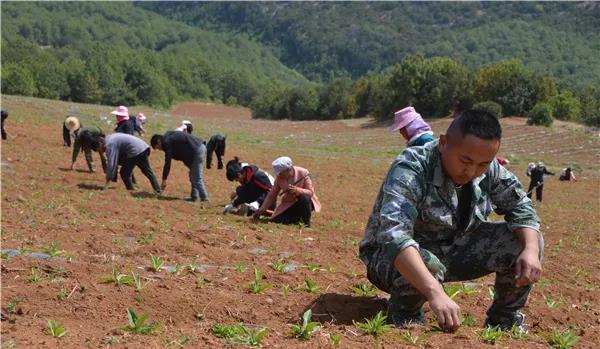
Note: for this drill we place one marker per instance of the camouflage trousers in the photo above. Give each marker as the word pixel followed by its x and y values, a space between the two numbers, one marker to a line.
pixel 90 160
pixel 490 248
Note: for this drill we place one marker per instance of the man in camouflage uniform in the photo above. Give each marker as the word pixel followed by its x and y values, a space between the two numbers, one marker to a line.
pixel 83 141
pixel 429 225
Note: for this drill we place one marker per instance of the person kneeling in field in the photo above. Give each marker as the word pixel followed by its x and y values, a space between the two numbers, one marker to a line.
pixel 299 198
pixel 70 126
pixel 429 226
pixel 189 149
pixel 127 151
pixel 255 184
pixel 83 141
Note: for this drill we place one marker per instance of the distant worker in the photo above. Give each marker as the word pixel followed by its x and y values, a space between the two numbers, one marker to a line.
pixel 298 194
pixel 412 127
pixel 83 141
pixel 537 180
pixel 4 114
pixel 567 174
pixel 70 127
pixel 216 144
pixel 140 120
pixel 186 126
pixel 254 186
pixel 127 151
pixel 124 123
pixel 188 149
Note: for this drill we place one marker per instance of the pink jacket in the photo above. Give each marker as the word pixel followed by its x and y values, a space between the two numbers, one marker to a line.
pixel 305 186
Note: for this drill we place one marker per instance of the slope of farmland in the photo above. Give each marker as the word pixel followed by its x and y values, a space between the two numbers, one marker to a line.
pixel 97 231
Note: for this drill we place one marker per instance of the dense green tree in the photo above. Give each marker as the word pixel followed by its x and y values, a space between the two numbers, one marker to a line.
pixel 17 80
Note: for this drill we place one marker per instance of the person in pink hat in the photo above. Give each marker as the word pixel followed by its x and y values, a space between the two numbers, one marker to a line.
pixel 412 127
pixel 140 120
pixel 125 124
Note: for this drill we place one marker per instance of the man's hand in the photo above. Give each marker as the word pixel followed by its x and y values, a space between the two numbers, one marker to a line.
pixel 528 268
pixel 292 189
pixel 446 311
pixel 163 185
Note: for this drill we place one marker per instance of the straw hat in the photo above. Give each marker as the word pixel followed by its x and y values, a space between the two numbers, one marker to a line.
pixel 72 123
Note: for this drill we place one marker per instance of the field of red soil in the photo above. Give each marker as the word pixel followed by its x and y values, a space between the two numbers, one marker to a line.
pixel 48 209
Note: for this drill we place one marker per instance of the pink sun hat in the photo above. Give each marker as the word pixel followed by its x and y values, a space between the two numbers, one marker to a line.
pixel 121 112
pixel 141 117
pixel 403 117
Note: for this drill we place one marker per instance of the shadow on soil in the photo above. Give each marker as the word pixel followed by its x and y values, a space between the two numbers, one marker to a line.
pixel 64 169
pixel 341 309
pixel 87 186
pixel 147 195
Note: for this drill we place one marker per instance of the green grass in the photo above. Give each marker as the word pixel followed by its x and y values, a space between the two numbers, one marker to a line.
pixel 239 333
pixel 375 326
pixel 561 339
pixel 138 325
pixel 55 330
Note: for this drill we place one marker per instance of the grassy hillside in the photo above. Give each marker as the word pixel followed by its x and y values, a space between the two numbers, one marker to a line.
pixel 117 53
pixel 335 39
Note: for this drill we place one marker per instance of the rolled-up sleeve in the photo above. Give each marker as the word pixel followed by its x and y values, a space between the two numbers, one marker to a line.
pixel 401 193
pixel 511 200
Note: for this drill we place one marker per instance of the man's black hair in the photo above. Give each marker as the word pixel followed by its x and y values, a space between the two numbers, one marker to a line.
pixel 96 143
pixel 155 139
pixel 478 123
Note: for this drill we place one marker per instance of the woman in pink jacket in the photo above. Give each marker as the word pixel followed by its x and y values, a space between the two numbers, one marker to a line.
pixel 298 194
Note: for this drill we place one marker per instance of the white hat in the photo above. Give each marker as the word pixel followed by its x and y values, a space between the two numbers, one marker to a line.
pixel 72 123
pixel 281 164
pixel 186 122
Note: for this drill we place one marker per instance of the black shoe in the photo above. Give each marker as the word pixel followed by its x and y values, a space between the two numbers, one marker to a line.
pixel 401 320
pixel 190 199
pixel 513 322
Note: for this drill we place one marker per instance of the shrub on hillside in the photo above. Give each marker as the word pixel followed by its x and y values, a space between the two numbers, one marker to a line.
pixel 566 106
pixel 491 107
pixel 541 114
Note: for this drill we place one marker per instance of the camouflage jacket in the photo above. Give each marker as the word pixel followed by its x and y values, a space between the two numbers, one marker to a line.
pixel 417 204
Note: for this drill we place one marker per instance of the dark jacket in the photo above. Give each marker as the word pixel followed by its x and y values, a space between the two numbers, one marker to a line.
pixel 216 144
pixel 84 139
pixel 180 146
pixel 537 174
pixel 126 126
pixel 256 187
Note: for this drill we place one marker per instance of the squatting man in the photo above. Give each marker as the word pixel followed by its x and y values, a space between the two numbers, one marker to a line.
pixel 429 225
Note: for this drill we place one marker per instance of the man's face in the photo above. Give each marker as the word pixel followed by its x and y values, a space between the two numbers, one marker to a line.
pixel 466 157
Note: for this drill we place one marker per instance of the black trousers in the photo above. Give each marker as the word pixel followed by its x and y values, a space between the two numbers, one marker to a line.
pixel 299 212
pixel 538 190
pixel 143 163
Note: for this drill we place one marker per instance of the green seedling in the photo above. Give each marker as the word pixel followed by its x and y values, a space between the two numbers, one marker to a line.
pixel 256 286
pixel 136 325
pixel 335 339
pixel 62 294
pixel 312 267
pixel 552 303
pixel 145 239
pixel 455 290
pixel 409 338
pixel 305 330
pixel 240 334
pixel 193 265
pixel 180 342
pixel 469 321
pixel 311 286
pixel 491 334
pixel 35 275
pixel 516 333
pixel 53 250
pixel 9 344
pixel 364 290
pixel 285 289
pixel 13 304
pixel 111 341
pixel 561 339
pixel 156 263
pixel 137 282
pixel 116 277
pixel 240 268
pixel 279 265
pixel 201 282
pixel 375 326
pixel 55 330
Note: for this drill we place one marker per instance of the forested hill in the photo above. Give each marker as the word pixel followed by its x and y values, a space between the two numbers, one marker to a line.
pixel 324 40
pixel 117 53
